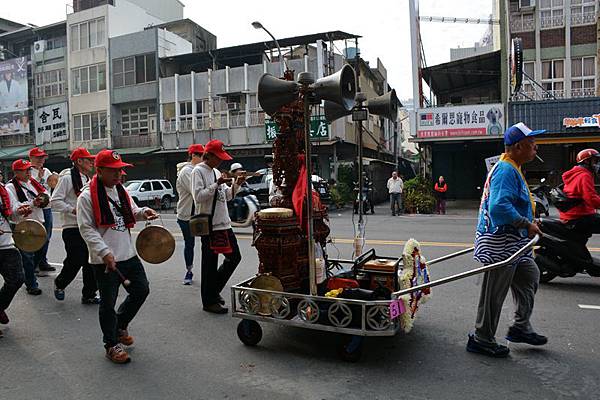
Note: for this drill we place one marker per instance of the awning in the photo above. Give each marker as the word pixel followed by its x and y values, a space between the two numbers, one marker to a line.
pixel 137 150
pixel 14 153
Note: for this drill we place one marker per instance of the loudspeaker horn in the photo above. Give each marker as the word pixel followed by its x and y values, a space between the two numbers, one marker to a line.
pixel 339 88
pixel 385 105
pixel 274 93
pixel 334 111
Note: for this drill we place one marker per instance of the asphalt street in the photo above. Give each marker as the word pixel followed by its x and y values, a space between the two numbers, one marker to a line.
pixel 53 350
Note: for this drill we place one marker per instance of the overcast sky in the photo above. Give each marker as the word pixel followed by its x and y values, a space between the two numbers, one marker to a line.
pixel 383 25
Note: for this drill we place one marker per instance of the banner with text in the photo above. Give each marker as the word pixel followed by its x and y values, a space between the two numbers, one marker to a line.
pixel 51 124
pixel 319 128
pixel 14 118
pixel 461 121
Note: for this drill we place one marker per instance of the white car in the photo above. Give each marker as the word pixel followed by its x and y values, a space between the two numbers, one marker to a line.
pixel 151 192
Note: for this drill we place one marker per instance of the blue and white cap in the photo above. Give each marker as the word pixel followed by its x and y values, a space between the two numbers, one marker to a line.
pixel 518 132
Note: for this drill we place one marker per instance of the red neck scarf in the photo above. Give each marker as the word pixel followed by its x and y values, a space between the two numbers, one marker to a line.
pixel 102 213
pixel 21 193
pixel 5 207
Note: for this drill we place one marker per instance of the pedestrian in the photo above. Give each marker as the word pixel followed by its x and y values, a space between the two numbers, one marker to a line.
pixel 64 200
pixel 26 190
pixel 105 215
pixel 395 187
pixel 440 189
pixel 211 194
pixel 185 207
pixel 38 158
pixel 11 264
pixel 237 203
pixel 505 226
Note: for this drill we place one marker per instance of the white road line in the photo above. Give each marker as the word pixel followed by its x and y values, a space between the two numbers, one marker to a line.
pixel 588 307
pixel 55 264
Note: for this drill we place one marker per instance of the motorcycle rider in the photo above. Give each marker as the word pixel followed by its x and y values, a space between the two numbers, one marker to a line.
pixel 367 190
pixel 579 184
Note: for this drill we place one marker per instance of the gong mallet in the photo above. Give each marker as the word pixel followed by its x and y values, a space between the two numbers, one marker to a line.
pixel 126 282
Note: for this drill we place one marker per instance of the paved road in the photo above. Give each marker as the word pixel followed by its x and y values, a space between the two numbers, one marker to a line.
pixel 52 350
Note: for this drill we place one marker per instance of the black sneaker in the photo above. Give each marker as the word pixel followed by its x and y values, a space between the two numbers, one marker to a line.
pixel 516 335
pixel 3 318
pixel 46 267
pixel 495 350
pixel 90 300
pixel 216 309
pixel 34 291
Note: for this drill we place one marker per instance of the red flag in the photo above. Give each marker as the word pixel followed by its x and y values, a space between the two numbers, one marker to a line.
pixel 300 190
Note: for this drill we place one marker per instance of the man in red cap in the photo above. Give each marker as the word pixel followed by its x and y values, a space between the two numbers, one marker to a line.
pixel 38 158
pixel 64 200
pixel 105 214
pixel 27 191
pixel 211 193
pixel 185 207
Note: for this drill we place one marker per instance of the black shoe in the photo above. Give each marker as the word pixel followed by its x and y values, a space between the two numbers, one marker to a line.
pixel 90 300
pixel 516 335
pixel 34 291
pixel 496 350
pixel 46 267
pixel 3 318
pixel 216 309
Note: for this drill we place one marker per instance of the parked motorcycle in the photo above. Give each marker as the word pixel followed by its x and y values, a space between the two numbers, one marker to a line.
pixel 541 194
pixel 364 198
pixel 248 204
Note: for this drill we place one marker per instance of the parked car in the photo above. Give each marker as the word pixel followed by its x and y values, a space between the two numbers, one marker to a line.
pixel 260 186
pixel 147 191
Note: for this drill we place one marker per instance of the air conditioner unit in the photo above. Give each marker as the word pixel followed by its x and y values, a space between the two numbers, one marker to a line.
pixel 233 106
pixel 39 46
pixel 526 4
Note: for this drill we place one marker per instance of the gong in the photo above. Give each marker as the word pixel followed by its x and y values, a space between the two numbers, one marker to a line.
pixel 275 213
pixel 44 199
pixel 155 244
pixel 266 282
pixel 29 235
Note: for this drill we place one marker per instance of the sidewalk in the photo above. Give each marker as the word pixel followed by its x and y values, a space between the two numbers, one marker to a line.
pixel 457 208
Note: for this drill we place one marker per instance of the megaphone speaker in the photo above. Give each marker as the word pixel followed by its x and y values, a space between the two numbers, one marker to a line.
pixel 339 88
pixel 274 93
pixel 334 111
pixel 385 105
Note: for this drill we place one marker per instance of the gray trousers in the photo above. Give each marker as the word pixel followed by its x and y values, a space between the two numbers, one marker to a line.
pixel 523 280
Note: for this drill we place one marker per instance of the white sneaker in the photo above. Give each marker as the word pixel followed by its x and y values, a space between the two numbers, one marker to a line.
pixel 188 278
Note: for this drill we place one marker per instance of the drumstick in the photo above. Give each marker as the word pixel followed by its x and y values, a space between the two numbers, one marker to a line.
pixel 126 282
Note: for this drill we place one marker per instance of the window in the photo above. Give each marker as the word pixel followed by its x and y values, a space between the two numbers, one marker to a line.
pixel 49 84
pixel 55 43
pixel 167 184
pixel 553 77
pixel 583 76
pixel 168 115
pixel 551 13
pixel 522 23
pixel 87 34
pixel 257 115
pixel 526 3
pixel 157 186
pixel 133 70
pixel 136 120
pixel 145 187
pixel 88 79
pixel 583 12
pixel 185 116
pixel 89 126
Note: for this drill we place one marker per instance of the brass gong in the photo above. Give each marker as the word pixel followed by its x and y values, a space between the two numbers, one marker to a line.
pixel 44 199
pixel 266 282
pixel 29 235
pixel 155 244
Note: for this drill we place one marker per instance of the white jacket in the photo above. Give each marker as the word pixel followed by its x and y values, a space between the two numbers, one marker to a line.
pixel 38 213
pixel 64 199
pixel 43 180
pixel 102 241
pixel 184 191
pixel 204 186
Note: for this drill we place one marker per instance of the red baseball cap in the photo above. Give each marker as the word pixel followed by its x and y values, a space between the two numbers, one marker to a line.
pixel 81 152
pixel 21 165
pixel 195 148
pixel 216 147
pixel 37 152
pixel 110 159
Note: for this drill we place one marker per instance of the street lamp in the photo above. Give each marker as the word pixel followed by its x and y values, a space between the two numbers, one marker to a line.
pixel 258 25
pixel 3 50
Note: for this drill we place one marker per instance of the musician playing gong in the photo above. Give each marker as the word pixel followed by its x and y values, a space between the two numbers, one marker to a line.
pixel 11 265
pixel 28 191
pixel 64 200
pixel 211 194
pixel 105 214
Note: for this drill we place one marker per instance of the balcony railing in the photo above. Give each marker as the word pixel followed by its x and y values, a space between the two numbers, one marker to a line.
pixel 518 24
pixel 556 21
pixel 558 94
pixel 237 119
pixel 583 92
pixel 15 140
pixel 202 123
pixel 147 140
pixel 169 127
pixel 257 118
pixel 583 18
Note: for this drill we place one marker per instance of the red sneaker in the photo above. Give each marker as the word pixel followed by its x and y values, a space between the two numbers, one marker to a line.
pixel 117 354
pixel 124 337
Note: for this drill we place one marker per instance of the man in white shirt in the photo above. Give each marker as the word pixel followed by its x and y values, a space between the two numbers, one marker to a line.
pixel 64 200
pixel 105 214
pixel 395 187
pixel 185 207
pixel 11 265
pixel 211 193
pixel 26 190
pixel 38 158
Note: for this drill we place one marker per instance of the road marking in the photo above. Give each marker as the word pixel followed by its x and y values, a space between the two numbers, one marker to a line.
pixel 588 307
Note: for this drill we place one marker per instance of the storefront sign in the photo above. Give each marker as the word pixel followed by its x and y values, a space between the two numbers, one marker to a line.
pixel 51 124
pixel 461 121
pixel 582 122
pixel 319 129
pixel 491 161
pixel 14 119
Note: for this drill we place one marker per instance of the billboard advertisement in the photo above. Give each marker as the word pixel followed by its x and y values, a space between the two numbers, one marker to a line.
pixel 51 124
pixel 461 121
pixel 14 119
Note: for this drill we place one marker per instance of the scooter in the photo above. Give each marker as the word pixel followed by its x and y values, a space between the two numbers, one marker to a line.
pixel 540 195
pixel 363 198
pixel 249 206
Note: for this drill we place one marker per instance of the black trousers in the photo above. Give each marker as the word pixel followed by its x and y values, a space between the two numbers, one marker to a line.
pixel 77 258
pixel 587 225
pixel 11 269
pixel 214 279
pixel 108 284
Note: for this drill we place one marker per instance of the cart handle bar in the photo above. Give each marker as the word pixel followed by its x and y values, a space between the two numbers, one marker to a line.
pixel 449 256
pixel 472 272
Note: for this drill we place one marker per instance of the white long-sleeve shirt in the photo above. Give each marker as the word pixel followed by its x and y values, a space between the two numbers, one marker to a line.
pixel 184 191
pixel 6 239
pixel 101 241
pixel 395 185
pixel 38 213
pixel 64 198
pixel 204 186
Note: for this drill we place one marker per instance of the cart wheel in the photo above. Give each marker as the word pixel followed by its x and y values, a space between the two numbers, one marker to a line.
pixel 249 332
pixel 351 348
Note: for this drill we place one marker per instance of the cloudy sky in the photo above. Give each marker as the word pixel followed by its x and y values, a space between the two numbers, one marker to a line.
pixel 383 25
